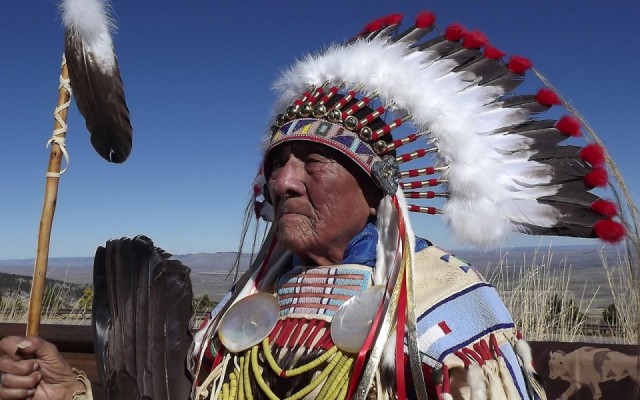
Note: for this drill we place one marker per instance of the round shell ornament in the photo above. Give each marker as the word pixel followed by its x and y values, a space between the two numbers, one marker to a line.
pixel 248 322
pixel 352 322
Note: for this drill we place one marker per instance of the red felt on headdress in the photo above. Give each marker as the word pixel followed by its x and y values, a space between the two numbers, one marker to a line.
pixel 609 231
pixel 597 177
pixel 605 207
pixel 547 97
pixel 373 26
pixel 425 20
pixel 493 53
pixel 392 19
pixel 569 125
pixel 519 64
pixel 454 32
pixel 474 40
pixel 593 154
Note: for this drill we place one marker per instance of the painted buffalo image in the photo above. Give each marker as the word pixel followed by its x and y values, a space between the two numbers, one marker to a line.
pixel 590 366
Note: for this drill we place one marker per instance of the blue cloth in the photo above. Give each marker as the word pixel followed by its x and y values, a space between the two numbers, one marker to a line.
pixel 362 248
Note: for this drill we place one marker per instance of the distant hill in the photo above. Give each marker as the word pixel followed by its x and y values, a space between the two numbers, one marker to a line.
pixel 221 262
pixel 209 270
pixel 12 286
pixel 574 256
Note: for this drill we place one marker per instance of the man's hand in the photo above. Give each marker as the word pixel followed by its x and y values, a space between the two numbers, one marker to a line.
pixel 31 368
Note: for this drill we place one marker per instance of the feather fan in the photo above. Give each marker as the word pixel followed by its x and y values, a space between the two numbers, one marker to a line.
pixel 142 309
pixel 95 77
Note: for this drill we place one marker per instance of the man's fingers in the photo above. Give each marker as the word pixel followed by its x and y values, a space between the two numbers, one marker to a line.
pixel 20 381
pixel 19 367
pixel 15 394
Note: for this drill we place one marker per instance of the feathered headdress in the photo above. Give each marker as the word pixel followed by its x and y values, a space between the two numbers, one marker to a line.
pixel 497 157
pixel 95 77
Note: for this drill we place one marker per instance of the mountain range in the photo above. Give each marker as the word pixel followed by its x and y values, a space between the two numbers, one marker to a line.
pixel 209 271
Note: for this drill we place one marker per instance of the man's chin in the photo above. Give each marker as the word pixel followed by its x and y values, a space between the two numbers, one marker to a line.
pixel 290 237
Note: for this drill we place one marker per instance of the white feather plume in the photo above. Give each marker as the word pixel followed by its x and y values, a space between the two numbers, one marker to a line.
pixel 91 22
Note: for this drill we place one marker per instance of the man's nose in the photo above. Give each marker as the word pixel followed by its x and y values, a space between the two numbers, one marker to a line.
pixel 288 180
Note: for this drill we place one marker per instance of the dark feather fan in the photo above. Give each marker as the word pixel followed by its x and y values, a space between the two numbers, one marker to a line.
pixel 142 310
pixel 95 77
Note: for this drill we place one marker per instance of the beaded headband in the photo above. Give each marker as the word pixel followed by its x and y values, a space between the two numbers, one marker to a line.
pixel 501 166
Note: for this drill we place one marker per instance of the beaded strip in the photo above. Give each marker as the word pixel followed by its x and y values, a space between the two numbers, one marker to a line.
pixel 319 292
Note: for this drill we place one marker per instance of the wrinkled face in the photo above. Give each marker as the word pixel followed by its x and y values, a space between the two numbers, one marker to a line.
pixel 319 204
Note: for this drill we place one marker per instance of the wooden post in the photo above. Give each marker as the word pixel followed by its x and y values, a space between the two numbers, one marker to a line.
pixel 49 206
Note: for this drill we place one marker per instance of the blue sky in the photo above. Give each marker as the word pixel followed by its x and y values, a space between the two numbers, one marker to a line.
pixel 197 76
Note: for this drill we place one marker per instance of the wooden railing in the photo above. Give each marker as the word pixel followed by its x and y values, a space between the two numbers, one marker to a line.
pixel 561 365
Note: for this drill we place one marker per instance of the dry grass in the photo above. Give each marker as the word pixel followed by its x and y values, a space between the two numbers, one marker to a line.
pixel 626 296
pixel 58 307
pixel 537 293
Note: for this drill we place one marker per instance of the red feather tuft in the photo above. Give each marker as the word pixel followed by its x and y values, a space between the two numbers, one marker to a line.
pixel 454 32
pixel 547 97
pixel 493 53
pixel 609 231
pixel 569 125
pixel 373 26
pixel 474 40
pixel 605 207
pixel 425 20
pixel 519 64
pixel 593 154
pixel 392 19
pixel 597 177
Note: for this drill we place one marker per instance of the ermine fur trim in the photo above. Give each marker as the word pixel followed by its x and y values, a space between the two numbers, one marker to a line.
pixel 524 352
pixel 476 382
pixel 387 248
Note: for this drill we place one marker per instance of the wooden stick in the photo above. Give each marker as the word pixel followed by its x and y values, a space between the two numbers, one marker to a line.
pixel 49 206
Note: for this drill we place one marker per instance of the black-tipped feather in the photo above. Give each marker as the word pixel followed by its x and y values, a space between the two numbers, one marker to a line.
pixel 99 94
pixel 412 35
pixel 528 102
pixel 141 317
pixel 571 195
pixel 558 171
pixel 507 80
pixel 571 220
pixel 440 46
pixel 557 230
pixel 483 68
pixel 558 152
pixel 462 55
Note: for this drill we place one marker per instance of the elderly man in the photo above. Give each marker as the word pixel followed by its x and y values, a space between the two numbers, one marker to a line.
pixel 344 301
